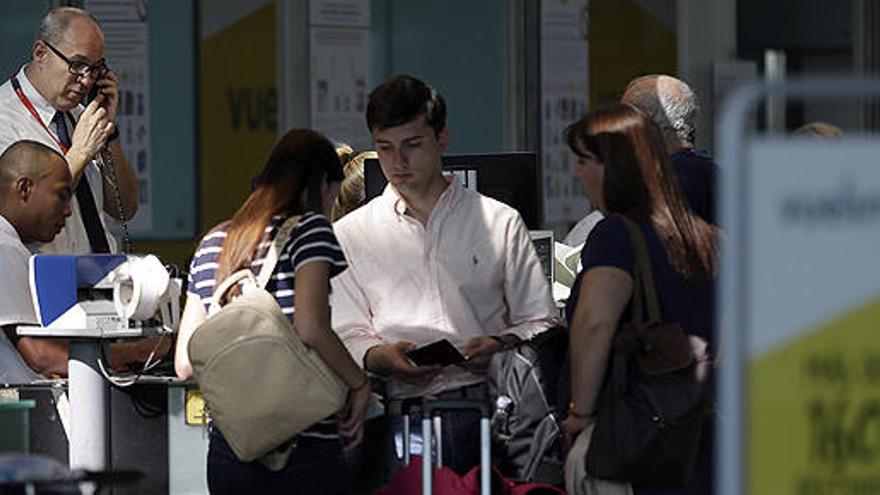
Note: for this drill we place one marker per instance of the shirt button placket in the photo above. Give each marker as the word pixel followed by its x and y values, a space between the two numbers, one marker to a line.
pixel 434 264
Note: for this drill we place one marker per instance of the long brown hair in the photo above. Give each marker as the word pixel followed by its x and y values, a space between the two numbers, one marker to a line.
pixel 289 184
pixel 640 183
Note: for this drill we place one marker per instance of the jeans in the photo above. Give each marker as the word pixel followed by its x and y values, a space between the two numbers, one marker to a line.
pixel 315 466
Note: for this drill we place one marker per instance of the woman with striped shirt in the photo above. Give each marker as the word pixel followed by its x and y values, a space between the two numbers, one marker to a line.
pixel 302 177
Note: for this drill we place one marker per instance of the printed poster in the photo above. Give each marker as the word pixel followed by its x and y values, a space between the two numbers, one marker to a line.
pixel 340 70
pixel 124 23
pixel 564 93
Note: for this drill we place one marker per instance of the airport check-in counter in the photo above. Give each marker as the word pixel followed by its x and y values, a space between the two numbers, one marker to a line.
pixel 187 439
pixel 138 430
pixel 157 429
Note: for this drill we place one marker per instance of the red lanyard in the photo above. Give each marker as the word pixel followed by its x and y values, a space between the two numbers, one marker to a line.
pixel 27 103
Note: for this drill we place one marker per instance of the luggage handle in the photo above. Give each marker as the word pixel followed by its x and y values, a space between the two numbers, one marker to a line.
pixel 406 407
pixel 429 409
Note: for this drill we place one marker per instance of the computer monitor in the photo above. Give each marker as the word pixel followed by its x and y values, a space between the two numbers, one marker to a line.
pixel 545 247
pixel 511 178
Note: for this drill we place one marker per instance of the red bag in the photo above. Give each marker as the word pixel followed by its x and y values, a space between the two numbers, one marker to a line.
pixel 408 481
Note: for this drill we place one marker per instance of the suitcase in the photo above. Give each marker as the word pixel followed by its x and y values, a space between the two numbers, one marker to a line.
pixel 431 417
pixel 412 477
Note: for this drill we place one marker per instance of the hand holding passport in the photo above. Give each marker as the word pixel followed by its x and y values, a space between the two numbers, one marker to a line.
pixel 441 353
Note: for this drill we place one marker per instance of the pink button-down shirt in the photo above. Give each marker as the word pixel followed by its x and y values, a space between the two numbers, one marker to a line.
pixel 470 271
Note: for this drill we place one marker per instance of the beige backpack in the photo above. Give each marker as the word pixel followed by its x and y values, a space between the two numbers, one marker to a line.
pixel 262 385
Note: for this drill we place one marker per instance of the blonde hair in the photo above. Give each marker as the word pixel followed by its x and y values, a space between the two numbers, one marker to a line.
pixel 819 130
pixel 351 191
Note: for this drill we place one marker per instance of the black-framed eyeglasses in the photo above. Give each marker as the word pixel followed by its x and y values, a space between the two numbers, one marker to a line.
pixel 79 68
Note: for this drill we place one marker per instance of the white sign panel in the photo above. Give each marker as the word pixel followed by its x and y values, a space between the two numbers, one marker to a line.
pixel 814 241
pixel 811 287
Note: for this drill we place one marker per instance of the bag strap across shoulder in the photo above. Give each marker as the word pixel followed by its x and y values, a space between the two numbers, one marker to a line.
pixel 644 290
pixel 266 270
pixel 275 249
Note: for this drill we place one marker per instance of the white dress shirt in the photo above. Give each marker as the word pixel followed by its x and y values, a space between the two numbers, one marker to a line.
pixel 470 271
pixel 17 123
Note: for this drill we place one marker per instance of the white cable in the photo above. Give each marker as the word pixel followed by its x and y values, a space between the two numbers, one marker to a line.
pixel 115 380
pixel 129 380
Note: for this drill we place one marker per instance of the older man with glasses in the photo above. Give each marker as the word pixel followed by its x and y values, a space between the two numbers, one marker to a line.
pixel 46 101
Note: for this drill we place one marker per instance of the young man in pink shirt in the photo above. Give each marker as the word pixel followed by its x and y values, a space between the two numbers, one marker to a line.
pixel 431 260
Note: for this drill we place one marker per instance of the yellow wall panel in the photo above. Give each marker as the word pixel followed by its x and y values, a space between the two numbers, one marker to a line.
pixel 238 111
pixel 625 42
pixel 814 418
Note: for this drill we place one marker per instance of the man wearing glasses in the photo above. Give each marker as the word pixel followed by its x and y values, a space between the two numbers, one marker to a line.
pixel 46 102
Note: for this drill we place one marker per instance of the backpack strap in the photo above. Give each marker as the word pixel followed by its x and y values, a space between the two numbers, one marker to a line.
pixel 246 275
pixel 271 259
pixel 227 284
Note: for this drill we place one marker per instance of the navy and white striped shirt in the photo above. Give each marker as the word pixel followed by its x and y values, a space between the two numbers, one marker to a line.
pixel 312 239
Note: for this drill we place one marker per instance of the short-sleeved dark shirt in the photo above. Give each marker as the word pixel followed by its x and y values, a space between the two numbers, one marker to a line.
pixel 312 239
pixel 690 304
pixel 697 173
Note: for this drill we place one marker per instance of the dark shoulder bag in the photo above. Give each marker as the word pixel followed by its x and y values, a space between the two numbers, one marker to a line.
pixel 655 397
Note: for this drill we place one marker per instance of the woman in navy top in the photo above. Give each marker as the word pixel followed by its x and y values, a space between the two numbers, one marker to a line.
pixel 302 177
pixel 624 169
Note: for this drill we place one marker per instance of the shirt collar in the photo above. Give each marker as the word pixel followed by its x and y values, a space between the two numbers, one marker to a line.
pixel 395 201
pixel 44 109
pixel 7 228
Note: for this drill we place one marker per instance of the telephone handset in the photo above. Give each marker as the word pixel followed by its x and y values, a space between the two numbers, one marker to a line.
pixel 93 93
